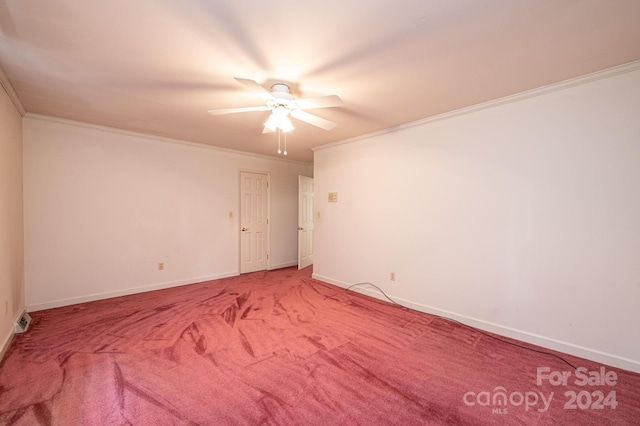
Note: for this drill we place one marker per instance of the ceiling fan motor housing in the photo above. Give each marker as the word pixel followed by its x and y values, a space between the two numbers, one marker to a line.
pixel 280 87
pixel 280 92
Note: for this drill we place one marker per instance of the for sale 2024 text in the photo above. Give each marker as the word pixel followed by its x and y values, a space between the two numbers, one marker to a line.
pixel 584 399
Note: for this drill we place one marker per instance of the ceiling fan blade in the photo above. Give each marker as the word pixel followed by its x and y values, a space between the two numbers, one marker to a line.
pixel 320 102
pixel 254 87
pixel 313 119
pixel 266 130
pixel 234 110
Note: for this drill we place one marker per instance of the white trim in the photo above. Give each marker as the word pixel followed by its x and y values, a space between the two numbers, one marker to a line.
pixel 115 130
pixel 283 265
pixel 13 96
pixel 7 341
pixel 117 293
pixel 577 81
pixel 5 346
pixel 545 342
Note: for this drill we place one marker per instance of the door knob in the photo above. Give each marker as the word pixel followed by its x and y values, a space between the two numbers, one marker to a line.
pixel 300 228
pixel 244 229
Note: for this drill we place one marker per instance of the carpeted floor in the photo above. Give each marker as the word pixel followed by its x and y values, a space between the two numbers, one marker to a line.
pixel 281 348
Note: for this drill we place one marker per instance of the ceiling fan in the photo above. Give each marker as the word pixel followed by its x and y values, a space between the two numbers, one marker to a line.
pixel 283 104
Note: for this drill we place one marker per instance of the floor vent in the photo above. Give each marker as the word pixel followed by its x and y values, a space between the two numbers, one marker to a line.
pixel 23 323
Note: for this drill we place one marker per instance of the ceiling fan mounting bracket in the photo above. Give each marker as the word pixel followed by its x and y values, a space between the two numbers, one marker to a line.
pixel 280 87
pixel 292 87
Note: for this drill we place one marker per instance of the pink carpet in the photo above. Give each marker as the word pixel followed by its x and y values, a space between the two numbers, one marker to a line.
pixel 279 348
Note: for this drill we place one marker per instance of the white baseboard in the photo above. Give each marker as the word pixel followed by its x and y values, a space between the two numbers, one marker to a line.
pixel 5 345
pixel 124 292
pixel 546 342
pixel 6 341
pixel 283 265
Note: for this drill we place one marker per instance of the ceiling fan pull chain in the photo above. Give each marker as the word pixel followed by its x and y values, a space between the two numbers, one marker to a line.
pixel 279 132
pixel 285 144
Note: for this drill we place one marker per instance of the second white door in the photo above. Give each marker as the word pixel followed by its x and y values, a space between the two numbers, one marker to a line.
pixel 305 221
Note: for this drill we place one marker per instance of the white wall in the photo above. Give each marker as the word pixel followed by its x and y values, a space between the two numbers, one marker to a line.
pixel 11 235
pixel 520 217
pixel 104 207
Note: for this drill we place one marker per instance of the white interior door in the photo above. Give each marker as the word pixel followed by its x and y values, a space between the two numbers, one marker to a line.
pixel 305 221
pixel 254 222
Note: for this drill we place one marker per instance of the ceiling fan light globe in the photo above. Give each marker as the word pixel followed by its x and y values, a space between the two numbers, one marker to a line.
pixel 278 120
pixel 271 123
pixel 286 125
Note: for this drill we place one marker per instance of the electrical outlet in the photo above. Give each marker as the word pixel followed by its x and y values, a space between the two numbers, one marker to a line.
pixel 230 215
pixel 392 276
pixel 160 266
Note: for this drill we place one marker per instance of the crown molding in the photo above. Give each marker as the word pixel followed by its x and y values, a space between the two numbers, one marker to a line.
pixel 555 87
pixel 8 88
pixel 115 130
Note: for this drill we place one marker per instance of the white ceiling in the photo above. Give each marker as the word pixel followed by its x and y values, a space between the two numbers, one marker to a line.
pixel 157 66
